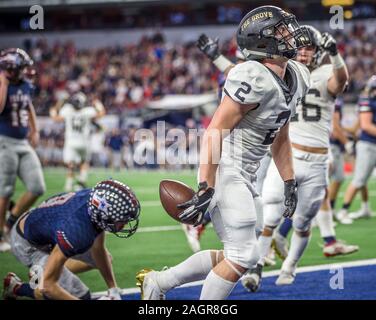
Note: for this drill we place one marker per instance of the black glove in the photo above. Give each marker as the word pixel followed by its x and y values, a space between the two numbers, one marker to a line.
pixel 329 44
pixel 197 206
pixel 291 197
pixel 209 46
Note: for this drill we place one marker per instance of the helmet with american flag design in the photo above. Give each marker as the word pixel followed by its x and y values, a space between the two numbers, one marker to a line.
pixel 113 207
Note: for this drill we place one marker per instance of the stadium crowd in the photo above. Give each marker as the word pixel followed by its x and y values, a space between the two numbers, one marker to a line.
pixel 125 77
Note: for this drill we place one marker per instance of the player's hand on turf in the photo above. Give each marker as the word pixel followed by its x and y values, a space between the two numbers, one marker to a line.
pixel 114 294
pixel 208 46
pixel 329 44
pixel 197 206
pixel 291 197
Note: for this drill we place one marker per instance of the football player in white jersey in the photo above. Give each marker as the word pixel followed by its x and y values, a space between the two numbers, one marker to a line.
pixel 77 116
pixel 210 48
pixel 259 97
pixel 309 133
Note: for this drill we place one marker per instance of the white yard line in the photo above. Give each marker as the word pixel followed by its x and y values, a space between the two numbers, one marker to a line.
pixel 350 264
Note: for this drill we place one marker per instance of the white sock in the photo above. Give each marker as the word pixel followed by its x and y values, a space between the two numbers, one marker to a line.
pixel 325 222
pixel 69 184
pixel 264 246
pixel 216 288
pixel 195 268
pixel 365 206
pixel 297 247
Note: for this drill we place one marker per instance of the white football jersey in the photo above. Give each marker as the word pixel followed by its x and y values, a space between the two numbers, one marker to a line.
pixel 312 123
pixel 77 125
pixel 253 83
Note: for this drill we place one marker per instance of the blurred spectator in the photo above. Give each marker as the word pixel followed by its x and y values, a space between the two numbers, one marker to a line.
pixel 115 145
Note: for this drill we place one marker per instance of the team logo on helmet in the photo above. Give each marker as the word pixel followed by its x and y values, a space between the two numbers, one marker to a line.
pixel 270 32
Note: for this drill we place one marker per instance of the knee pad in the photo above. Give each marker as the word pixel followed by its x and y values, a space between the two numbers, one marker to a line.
pixel 245 255
pixel 273 214
pixel 301 223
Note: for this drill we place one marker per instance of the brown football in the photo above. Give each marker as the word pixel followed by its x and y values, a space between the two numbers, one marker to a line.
pixel 172 193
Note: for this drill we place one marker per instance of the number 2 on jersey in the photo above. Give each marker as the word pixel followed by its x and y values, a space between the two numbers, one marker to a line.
pixel 285 115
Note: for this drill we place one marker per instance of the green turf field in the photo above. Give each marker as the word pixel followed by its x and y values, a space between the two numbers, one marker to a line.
pixel 157 249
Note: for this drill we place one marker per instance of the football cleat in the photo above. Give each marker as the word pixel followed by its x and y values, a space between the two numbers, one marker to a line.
pixel 10 285
pixel 365 213
pixel 280 245
pixel 147 282
pixel 4 246
pixel 339 248
pixel 342 217
pixel 285 278
pixel 251 281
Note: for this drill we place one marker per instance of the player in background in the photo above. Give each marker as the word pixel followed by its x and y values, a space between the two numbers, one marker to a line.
pixel 78 117
pixel 309 134
pixel 259 97
pixel 338 144
pixel 65 235
pixel 210 48
pixel 365 161
pixel 18 124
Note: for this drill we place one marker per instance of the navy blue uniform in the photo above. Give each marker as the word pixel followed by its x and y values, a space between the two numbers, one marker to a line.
pixel 116 142
pixel 367 105
pixel 64 221
pixel 14 120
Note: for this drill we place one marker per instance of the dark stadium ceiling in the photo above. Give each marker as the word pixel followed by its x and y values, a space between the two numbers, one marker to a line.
pixel 8 4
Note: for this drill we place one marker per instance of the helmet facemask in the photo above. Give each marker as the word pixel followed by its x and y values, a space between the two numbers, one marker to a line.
pixel 289 35
pixel 273 35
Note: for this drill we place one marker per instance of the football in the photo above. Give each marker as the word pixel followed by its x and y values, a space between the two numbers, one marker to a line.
pixel 172 193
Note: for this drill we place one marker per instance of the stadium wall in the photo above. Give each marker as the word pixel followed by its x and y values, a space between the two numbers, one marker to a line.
pixel 86 39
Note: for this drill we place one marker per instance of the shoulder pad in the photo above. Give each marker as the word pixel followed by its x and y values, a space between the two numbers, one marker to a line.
pixel 302 72
pixel 246 82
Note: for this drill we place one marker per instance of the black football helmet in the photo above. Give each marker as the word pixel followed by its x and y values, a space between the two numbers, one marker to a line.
pixel 316 39
pixel 15 60
pixel 78 100
pixel 270 32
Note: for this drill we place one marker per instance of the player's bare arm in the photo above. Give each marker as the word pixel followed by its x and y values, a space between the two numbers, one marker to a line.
pixel 337 83
pixel 52 272
pixel 103 261
pixel 338 131
pixel 54 111
pixel 282 154
pixel 226 117
pixel 4 82
pixel 366 123
pixel 34 131
pixel 99 107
